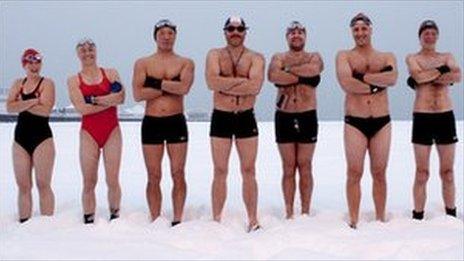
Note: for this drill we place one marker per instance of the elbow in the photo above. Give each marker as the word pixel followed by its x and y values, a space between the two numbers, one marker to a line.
pixel 9 109
pixel 137 97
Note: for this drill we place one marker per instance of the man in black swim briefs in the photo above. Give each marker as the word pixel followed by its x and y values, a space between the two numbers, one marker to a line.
pixel 364 75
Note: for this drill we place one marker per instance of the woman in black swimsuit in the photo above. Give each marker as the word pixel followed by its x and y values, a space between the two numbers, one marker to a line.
pixel 33 98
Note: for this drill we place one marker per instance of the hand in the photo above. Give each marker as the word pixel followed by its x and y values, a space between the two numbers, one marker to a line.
pixel 376 89
pixel 358 76
pixel 411 83
pixel 443 69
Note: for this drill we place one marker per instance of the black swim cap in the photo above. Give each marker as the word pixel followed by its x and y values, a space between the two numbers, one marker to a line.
pixel 163 23
pixel 427 24
pixel 360 17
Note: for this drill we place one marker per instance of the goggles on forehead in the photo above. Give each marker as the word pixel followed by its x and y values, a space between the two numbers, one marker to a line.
pixel 85 41
pixel 165 23
pixel 32 58
pixel 295 25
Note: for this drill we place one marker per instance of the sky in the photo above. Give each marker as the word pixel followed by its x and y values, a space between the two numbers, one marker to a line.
pixel 122 31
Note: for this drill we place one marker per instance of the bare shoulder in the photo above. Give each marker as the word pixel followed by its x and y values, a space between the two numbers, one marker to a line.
pixel 447 55
pixel 49 82
pixel 72 80
pixel 112 73
pixel 141 62
pixel 388 55
pixel 186 60
pixel 316 55
pixel 214 51
pixel 412 57
pixel 17 83
pixel 343 54
pixel 256 55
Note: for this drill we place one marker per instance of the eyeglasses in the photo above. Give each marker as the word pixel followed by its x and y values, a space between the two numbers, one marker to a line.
pixel 86 41
pixel 33 58
pixel 239 29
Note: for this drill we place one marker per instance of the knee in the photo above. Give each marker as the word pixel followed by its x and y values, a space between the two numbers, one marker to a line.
pixel 289 168
pixel 248 171
pixel 89 184
pixel 378 175
pixel 178 176
pixel 422 176
pixel 447 175
pixel 304 164
pixel 24 189
pixel 220 173
pixel 112 184
pixel 43 186
pixel 354 175
pixel 154 178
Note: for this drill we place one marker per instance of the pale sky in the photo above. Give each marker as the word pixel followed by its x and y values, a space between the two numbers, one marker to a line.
pixel 123 32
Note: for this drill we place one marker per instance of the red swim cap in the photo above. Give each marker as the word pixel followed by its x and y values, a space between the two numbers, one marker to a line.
pixel 30 55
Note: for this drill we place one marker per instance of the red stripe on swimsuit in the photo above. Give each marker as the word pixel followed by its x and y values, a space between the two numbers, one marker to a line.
pixel 99 125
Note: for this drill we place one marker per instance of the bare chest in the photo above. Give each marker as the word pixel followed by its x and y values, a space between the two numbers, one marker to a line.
pixel 164 69
pixel 235 66
pixel 430 62
pixel 367 64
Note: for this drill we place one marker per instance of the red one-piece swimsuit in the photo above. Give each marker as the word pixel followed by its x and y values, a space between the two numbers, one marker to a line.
pixel 99 125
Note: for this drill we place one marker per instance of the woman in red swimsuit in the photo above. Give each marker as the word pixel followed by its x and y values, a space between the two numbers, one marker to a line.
pixel 95 92
pixel 33 98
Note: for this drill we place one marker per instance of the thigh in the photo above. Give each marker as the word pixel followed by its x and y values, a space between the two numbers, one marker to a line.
pixel 22 164
pixel 379 148
pixel 220 150
pixel 288 152
pixel 422 155
pixel 112 153
pixel 355 147
pixel 446 155
pixel 89 155
pixel 153 155
pixel 177 153
pixel 44 159
pixel 305 152
pixel 247 149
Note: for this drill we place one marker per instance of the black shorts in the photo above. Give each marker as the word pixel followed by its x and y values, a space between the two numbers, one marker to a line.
pixel 299 127
pixel 226 124
pixel 172 129
pixel 429 128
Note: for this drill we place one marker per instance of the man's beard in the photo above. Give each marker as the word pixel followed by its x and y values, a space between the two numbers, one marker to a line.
pixel 297 48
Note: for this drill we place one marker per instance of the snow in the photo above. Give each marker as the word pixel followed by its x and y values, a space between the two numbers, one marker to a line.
pixel 321 235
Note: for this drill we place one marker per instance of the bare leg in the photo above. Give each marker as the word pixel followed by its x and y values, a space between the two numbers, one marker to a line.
pixel 379 149
pixel 247 150
pixel 446 156
pixel 112 161
pixel 153 155
pixel 177 153
pixel 422 155
pixel 220 149
pixel 22 164
pixel 44 158
pixel 288 156
pixel 305 154
pixel 89 157
pixel 355 152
